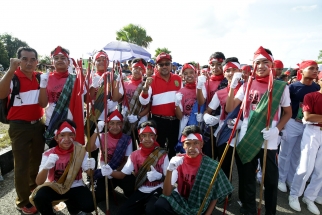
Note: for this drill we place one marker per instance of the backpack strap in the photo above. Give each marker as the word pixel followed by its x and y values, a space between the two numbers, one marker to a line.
pixel 15 90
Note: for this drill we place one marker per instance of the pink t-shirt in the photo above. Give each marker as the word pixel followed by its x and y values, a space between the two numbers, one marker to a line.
pixel 55 87
pixel 129 91
pixel 212 86
pixel 189 97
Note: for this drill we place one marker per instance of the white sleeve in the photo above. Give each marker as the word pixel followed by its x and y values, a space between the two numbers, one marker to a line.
pixel 128 167
pixel 97 142
pixel 165 164
pixel 174 177
pixel 121 90
pixel 240 93
pixel 84 164
pixel 146 101
pixel 204 91
pixel 285 99
pixel 129 149
pixel 214 104
pixel 43 162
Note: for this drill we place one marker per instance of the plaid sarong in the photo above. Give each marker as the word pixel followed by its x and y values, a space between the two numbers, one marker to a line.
pixel 61 109
pixel 135 107
pixel 221 188
pixel 152 159
pixel 252 141
pixel 119 152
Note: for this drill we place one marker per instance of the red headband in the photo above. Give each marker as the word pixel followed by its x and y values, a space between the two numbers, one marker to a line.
pixel 188 66
pixel 307 63
pixel 246 68
pixel 59 50
pixel 139 64
pixel 147 129
pixel 231 65
pixel 150 66
pixel 65 127
pixel 261 53
pixel 115 115
pixel 192 136
pixel 278 64
pixel 101 54
pixel 216 60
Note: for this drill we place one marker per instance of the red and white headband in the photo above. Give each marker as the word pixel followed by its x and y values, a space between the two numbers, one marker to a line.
pixel 261 53
pixel 59 50
pixel 231 65
pixel 139 64
pixel 101 54
pixel 188 66
pixel 147 129
pixel 216 60
pixel 65 127
pixel 192 136
pixel 115 115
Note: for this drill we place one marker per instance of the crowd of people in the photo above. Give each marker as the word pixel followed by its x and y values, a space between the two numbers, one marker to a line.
pixel 162 131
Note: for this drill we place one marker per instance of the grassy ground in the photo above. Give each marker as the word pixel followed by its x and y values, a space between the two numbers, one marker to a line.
pixel 4 140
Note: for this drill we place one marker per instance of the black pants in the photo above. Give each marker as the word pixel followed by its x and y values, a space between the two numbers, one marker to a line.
pixel 227 161
pixel 247 182
pixel 140 203
pixel 168 131
pixel 79 199
pixel 126 184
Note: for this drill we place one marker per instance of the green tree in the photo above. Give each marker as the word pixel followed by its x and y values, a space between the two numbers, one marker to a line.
pixel 44 59
pixel 319 61
pixel 11 44
pixel 159 50
pixel 4 59
pixel 134 34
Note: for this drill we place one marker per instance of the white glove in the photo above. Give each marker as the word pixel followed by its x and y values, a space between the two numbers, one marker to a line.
pixel 175 162
pixel 233 122
pixel 124 111
pixel 100 126
pixel 199 117
pixel 106 170
pixel 235 80
pixel 210 120
pixel 132 118
pixel 201 81
pixel 178 99
pixel 50 163
pixel 111 106
pixel 270 134
pixel 44 80
pixel 95 81
pixel 89 164
pixel 153 175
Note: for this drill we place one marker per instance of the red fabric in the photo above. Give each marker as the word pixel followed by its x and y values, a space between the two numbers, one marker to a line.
pixel 307 63
pixel 217 77
pixel 278 64
pixel 231 65
pixel 189 97
pixel 262 79
pixel 145 152
pixel 116 136
pixel 59 75
pixel 147 129
pixel 99 73
pixel 298 75
pixel 190 85
pixel 287 72
pixel 129 90
pixel 312 103
pixel 65 125
pixel 60 151
pixel 113 114
pixel 101 54
pixel 261 51
pixel 188 66
pixel 163 56
pixel 136 82
pixel 139 64
pixel 211 87
pixel 20 111
pixel 76 106
pixel 54 87
pixel 59 50
pixel 215 60
pixel 246 68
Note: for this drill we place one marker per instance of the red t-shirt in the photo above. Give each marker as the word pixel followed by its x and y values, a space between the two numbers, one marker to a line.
pixel 312 103
pixel 26 106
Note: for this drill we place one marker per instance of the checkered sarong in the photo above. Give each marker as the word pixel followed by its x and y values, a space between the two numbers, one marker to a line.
pixel 252 141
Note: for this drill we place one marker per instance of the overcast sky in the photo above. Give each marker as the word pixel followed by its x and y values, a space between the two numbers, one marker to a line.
pixel 191 30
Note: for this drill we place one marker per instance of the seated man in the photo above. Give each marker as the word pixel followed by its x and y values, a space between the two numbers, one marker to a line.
pixel 60 174
pixel 118 147
pixel 149 165
pixel 193 173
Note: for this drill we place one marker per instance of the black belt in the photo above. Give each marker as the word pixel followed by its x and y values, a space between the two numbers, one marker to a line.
pixel 165 117
pixel 25 122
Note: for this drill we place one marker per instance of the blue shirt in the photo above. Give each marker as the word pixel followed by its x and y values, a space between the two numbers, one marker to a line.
pixel 297 93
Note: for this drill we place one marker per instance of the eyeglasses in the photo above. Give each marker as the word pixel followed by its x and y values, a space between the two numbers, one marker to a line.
pixel 164 64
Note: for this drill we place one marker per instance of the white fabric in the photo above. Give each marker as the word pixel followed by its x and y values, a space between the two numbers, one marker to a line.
pixel 284 102
pixel 270 134
pixel 106 170
pixel 163 98
pixel 183 124
pixel 89 164
pixel 50 162
pixel 310 164
pixel 235 80
pixel 192 137
pixel 210 120
pixel 214 103
pixel 26 98
pixel 290 151
pixel 129 168
pixel 95 81
pixel 201 81
pixel 44 80
pixel 178 99
pixel 100 126
pixel 111 105
pixel 153 175
pixel 132 118
pixel 199 117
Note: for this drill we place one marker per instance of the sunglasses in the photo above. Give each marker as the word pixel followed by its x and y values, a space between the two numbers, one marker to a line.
pixel 164 64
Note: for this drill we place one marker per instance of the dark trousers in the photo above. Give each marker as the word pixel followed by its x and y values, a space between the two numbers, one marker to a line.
pixel 79 199
pixel 227 161
pixel 139 203
pixel 168 131
pixel 28 144
pixel 247 182
pixel 126 184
